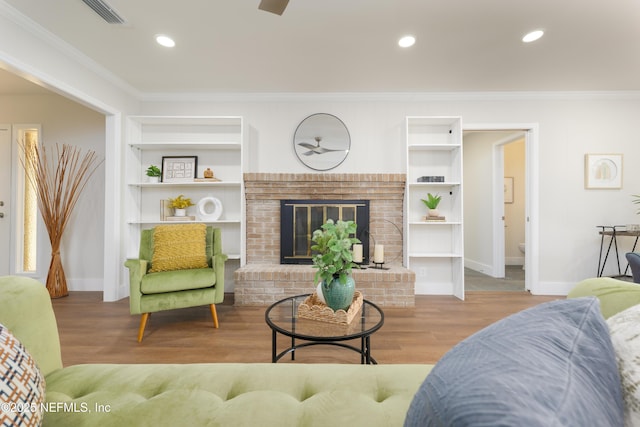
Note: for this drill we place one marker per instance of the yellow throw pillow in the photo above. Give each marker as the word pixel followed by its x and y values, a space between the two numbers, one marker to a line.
pixel 179 247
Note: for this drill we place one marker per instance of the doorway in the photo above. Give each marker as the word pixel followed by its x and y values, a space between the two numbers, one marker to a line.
pixel 492 202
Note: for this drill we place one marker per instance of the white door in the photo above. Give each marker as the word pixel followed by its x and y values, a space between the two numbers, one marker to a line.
pixel 5 198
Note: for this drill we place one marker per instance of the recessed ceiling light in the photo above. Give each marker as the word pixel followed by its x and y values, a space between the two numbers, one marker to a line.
pixel 533 36
pixel 406 41
pixel 165 41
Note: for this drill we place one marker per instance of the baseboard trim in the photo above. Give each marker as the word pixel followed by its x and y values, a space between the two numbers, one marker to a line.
pixel 553 288
pixel 479 267
pixel 514 260
pixel 85 285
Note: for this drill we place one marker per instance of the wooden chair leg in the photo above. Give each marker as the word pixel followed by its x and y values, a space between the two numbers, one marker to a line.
pixel 143 324
pixel 214 314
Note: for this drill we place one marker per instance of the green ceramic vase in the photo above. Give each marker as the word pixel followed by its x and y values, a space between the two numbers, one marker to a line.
pixel 337 295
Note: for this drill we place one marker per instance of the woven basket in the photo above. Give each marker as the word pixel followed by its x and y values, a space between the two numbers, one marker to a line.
pixel 314 309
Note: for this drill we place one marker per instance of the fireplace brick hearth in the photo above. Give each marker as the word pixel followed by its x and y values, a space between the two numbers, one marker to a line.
pixel 264 284
pixel 263 280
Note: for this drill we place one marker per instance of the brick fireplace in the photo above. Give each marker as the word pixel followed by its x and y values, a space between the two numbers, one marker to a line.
pixel 263 280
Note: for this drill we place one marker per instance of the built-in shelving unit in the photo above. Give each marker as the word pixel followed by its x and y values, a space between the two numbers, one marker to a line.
pixel 434 249
pixel 217 142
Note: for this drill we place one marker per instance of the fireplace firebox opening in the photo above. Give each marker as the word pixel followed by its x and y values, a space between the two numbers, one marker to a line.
pixel 300 218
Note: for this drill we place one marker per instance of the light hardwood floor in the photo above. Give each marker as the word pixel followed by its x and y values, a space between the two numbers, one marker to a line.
pixel 92 331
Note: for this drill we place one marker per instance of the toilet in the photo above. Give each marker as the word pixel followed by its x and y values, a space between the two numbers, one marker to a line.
pixel 521 247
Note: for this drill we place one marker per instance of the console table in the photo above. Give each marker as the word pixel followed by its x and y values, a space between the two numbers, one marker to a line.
pixel 614 231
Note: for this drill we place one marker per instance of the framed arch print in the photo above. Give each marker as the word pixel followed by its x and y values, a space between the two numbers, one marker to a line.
pixel 321 141
pixel 603 171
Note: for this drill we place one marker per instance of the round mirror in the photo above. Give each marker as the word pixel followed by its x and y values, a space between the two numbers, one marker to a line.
pixel 321 141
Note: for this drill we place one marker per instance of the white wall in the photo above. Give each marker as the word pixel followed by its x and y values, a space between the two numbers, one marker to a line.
pixel 66 122
pixel 570 125
pixel 33 53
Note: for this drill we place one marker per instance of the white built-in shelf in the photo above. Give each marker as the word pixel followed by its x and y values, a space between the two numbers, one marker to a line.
pixel 434 249
pixel 220 221
pixel 189 121
pixel 432 223
pixel 217 142
pixel 434 184
pixel 434 147
pixel 434 255
pixel 186 145
pixel 186 184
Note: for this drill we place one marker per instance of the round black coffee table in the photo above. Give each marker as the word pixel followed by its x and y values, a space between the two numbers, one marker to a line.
pixel 282 317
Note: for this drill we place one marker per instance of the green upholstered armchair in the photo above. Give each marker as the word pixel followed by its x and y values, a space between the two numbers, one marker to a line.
pixel 167 290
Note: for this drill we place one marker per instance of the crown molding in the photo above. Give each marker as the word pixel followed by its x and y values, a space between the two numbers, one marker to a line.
pixel 389 96
pixel 27 24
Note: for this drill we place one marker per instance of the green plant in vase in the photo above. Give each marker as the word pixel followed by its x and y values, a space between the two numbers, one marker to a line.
pixel 154 173
pixel 334 260
pixel 432 202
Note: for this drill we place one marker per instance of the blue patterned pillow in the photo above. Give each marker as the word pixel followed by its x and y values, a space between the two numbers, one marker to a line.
pixel 21 384
pixel 552 364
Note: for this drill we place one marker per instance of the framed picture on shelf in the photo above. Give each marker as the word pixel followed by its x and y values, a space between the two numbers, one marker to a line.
pixel 603 171
pixel 179 168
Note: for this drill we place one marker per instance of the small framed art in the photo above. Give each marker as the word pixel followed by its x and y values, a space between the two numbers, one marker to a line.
pixel 603 171
pixel 508 189
pixel 179 168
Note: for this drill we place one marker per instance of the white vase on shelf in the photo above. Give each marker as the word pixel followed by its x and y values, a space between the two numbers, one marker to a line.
pixel 180 212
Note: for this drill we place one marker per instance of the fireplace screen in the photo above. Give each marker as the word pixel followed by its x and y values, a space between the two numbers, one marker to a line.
pixel 299 219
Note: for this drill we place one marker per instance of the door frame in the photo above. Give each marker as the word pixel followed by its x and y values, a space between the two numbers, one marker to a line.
pixel 7 208
pixel 531 132
pixel 18 184
pixel 498 218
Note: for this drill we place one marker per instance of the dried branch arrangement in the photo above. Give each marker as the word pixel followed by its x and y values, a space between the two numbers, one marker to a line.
pixel 58 182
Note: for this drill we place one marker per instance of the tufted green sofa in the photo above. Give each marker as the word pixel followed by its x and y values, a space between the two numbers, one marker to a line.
pixel 614 295
pixel 303 394
pixel 201 394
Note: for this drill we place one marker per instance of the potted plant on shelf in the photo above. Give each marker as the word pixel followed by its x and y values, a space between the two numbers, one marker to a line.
pixel 432 202
pixel 154 173
pixel 334 260
pixel 180 205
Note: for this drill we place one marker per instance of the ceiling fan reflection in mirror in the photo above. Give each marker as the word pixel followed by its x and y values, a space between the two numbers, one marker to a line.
pixel 332 141
pixel 315 149
pixel 273 6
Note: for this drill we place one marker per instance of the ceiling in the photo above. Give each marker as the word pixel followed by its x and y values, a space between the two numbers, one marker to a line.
pixel 227 46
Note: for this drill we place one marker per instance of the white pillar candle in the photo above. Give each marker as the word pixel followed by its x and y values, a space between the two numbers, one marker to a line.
pixel 357 253
pixel 378 254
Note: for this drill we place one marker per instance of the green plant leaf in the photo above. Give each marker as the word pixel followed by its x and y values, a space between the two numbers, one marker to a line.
pixel 432 201
pixel 332 247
